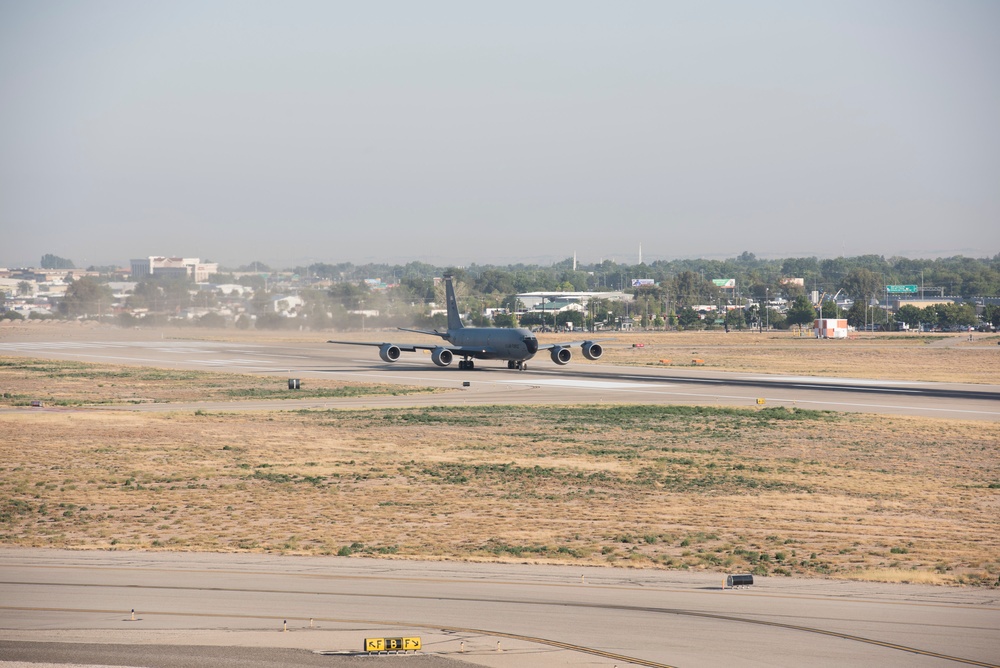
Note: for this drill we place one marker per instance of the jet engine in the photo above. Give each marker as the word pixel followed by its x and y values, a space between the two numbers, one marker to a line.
pixel 442 356
pixel 561 355
pixel 388 352
pixel 592 351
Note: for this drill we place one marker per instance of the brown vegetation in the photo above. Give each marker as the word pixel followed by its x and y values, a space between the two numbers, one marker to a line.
pixel 766 490
pixel 67 383
pixel 771 491
pixel 900 356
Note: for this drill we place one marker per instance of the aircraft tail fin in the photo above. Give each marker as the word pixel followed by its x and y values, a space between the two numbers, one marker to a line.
pixel 454 320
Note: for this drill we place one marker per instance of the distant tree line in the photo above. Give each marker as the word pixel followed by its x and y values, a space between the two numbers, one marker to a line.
pixel 50 261
pixel 692 278
pixel 338 296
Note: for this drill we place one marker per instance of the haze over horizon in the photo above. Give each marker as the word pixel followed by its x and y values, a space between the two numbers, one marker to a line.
pixel 457 133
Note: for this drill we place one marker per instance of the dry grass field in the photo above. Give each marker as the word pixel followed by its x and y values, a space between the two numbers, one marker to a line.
pixel 900 356
pixel 66 383
pixel 769 490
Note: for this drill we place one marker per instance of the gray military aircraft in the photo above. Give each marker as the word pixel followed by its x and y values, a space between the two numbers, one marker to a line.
pixel 515 345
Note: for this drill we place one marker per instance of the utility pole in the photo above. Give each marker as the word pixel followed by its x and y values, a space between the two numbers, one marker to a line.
pixel 767 308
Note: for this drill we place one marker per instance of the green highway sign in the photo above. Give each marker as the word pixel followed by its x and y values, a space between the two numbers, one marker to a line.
pixel 908 289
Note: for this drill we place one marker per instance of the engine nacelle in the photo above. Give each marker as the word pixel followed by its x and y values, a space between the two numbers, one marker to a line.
pixel 388 352
pixel 442 356
pixel 561 355
pixel 592 351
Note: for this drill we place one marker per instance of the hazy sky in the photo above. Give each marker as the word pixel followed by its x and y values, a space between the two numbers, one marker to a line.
pixel 461 132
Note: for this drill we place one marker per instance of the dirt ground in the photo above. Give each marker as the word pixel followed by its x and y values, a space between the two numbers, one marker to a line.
pixel 764 490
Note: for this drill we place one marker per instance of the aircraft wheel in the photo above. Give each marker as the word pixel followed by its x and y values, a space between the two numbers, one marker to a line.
pixel 524 366
pixel 470 365
pixel 510 364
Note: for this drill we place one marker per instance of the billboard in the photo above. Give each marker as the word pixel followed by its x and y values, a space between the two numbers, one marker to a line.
pixel 905 289
pixel 725 283
pixel 640 282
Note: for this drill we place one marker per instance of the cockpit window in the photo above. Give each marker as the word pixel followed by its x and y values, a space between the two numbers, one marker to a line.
pixel 531 343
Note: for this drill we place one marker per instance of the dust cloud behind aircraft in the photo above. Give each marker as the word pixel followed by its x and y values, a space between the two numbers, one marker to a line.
pixel 514 345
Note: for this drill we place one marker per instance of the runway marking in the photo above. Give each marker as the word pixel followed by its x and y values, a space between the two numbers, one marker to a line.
pixel 250 352
pixel 227 361
pixel 168 345
pixel 532 380
pixel 831 380
pixel 246 365
pixel 118 357
pixel 663 388
pixel 814 386
pixel 56 345
pixel 585 384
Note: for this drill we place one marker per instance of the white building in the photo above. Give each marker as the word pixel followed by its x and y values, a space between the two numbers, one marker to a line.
pixel 186 267
pixel 531 300
pixel 284 304
pixel 232 289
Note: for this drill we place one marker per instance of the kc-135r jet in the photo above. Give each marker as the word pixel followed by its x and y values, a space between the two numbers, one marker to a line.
pixel 515 345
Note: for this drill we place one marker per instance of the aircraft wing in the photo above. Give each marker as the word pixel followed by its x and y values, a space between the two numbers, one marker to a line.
pixel 547 346
pixel 413 347
pixel 406 347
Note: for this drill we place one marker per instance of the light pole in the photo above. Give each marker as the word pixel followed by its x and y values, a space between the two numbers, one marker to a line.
pixel 767 309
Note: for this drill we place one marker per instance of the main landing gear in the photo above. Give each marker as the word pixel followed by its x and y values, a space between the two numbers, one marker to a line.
pixel 520 365
pixel 466 364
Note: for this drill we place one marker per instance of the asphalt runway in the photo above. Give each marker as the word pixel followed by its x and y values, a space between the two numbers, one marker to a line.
pixel 580 382
pixel 205 609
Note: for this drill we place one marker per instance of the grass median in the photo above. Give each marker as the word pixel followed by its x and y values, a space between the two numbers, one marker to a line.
pixel 69 383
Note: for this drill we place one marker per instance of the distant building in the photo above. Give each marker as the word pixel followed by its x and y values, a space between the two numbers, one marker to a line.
pixel 533 300
pixel 285 304
pixel 897 302
pixel 232 289
pixel 184 267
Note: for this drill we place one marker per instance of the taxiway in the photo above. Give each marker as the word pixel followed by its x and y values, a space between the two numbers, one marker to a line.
pixel 498 615
pixel 580 382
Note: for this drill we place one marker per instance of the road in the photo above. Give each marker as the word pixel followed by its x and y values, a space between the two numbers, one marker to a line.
pixel 500 615
pixel 544 383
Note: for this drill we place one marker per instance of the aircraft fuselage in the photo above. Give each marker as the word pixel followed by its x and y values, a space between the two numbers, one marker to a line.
pixel 495 343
